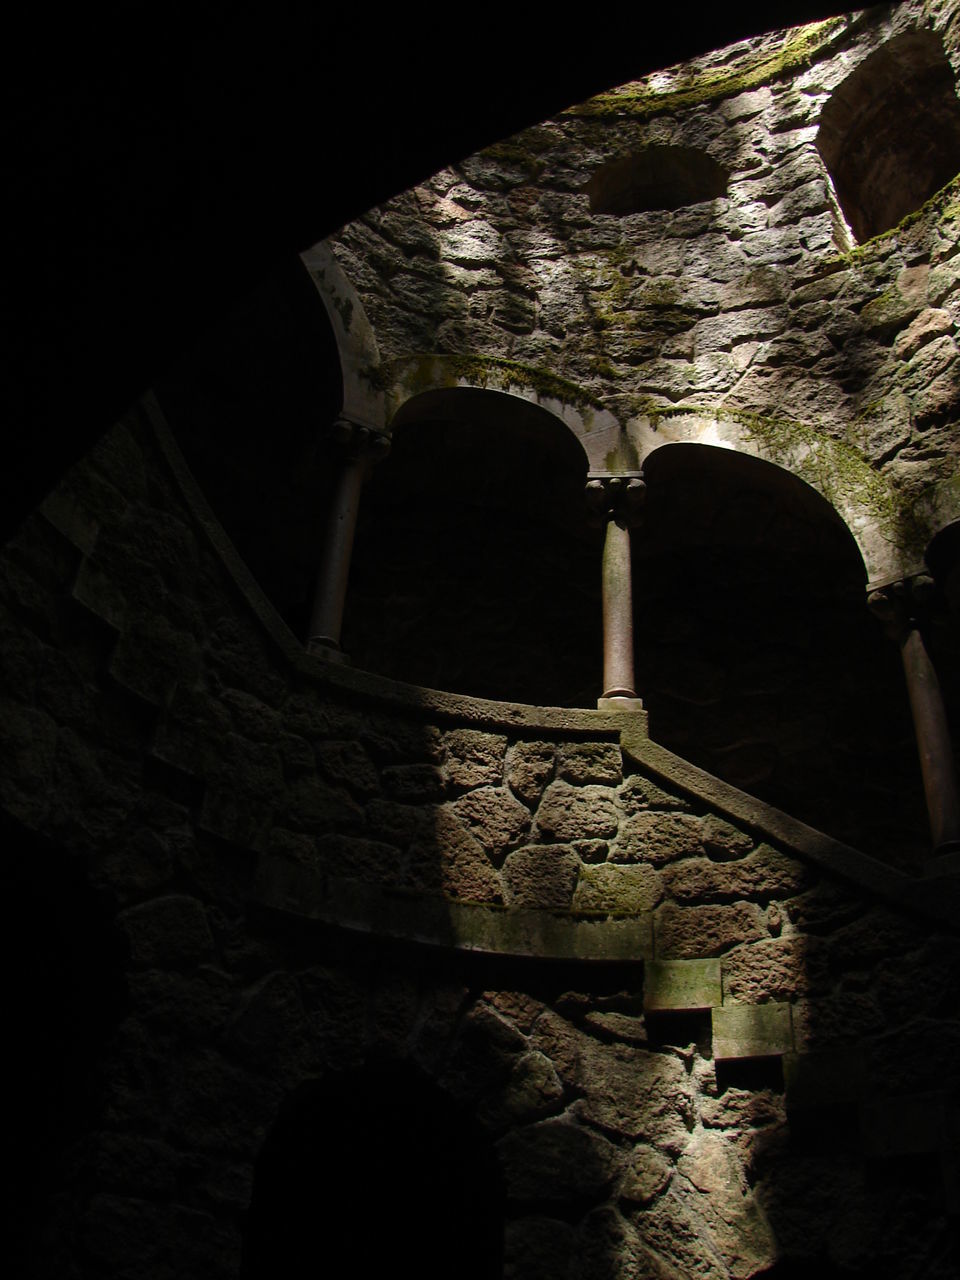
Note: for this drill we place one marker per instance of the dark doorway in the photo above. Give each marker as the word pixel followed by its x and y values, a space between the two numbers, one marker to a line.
pixel 373 1173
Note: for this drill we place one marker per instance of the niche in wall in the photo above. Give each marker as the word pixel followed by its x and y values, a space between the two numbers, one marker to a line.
pixel 375 1172
pixel 474 569
pixel 890 132
pixel 658 177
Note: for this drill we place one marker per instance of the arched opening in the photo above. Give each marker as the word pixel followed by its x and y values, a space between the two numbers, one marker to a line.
pixel 890 132
pixel 249 402
pixel 474 569
pixel 371 1173
pixel 757 657
pixel 658 177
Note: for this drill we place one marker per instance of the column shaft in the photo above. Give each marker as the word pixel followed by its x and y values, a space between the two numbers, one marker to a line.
pixel 933 742
pixel 618 673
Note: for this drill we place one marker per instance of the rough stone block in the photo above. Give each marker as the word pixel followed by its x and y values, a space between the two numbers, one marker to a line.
pixel 474 759
pixel 775 969
pixel 541 876
pixel 412 782
pixel 529 768
pixel 573 813
pixel 167 931
pixel 723 840
pixel 555 1161
pixel 761 874
pixel 817 1081
pixel 639 793
pixel 493 817
pixel 681 984
pixel 657 838
pixel 751 1031
pixel 583 762
pixel 619 890
pixel 697 932
pixel 904 1125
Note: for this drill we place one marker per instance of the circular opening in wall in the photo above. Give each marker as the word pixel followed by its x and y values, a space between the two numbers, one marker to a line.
pixel 890 132
pixel 659 177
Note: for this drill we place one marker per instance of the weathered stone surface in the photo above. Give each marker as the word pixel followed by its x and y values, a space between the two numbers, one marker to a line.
pixel 613 1025
pixel 573 813
pixel 928 325
pixel 532 1092
pixel 775 969
pixel 474 759
pixel 356 858
pixel 657 838
pixel 493 817
pixel 556 1160
pixel 541 876
pixel 448 856
pixel 818 1081
pixel 348 763
pixel 619 890
pixel 751 1031
pixel 413 782
pixel 698 932
pixel 529 768
pixel 538 1249
pixel 743 1109
pixel 312 805
pixel 167 932
pixel 761 874
pixel 736 1225
pixel 722 840
pixel 607 1248
pixel 583 762
pixel 639 1095
pixel 681 984
pixel 647 1174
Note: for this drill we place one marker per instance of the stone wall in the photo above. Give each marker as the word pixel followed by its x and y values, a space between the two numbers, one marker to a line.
pixel 698 1036
pixel 750 319
pixel 751 302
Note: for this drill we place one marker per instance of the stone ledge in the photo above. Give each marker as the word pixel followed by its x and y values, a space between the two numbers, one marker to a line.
pixel 298 890
pixel 752 1031
pixel 681 984
pixel 938 897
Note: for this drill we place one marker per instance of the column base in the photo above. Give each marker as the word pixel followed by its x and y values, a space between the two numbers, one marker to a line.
pixel 327 649
pixel 619 702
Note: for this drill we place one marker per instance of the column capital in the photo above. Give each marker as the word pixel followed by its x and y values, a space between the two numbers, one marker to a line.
pixel 902 605
pixel 619 498
pixel 358 440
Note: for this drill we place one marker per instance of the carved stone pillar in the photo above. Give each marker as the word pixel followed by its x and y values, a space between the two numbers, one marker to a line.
pixel 898 606
pixel 616 501
pixel 358 448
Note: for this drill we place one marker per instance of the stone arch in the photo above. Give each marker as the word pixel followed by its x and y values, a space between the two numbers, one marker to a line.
pixel 658 177
pixel 887 533
pixel 363 399
pixel 596 428
pixel 890 132
pixel 473 553
pixel 757 657
pixel 371 1167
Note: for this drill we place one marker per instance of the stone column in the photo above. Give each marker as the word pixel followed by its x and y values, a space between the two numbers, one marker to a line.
pixel 943 559
pixel 616 501
pixel 358 448
pixel 898 606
